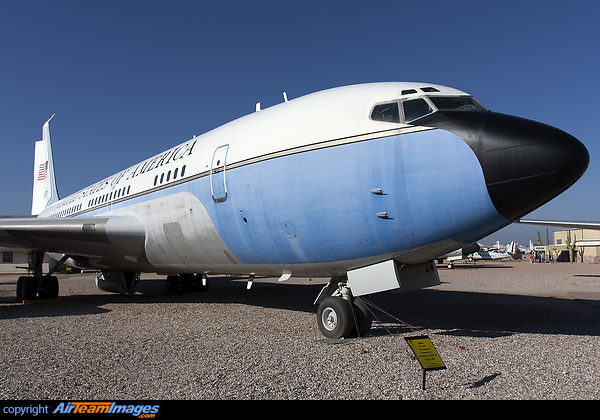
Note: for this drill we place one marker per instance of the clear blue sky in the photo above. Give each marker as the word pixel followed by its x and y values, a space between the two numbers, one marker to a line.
pixel 129 79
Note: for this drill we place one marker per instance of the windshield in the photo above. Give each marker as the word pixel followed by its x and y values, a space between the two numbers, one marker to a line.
pixel 456 103
pixel 415 108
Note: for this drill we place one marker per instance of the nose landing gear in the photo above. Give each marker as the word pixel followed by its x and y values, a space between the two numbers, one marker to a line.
pixel 341 314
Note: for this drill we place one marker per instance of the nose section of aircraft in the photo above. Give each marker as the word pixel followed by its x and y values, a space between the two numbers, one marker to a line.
pixel 525 163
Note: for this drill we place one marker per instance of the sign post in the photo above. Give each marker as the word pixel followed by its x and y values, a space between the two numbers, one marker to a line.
pixel 426 353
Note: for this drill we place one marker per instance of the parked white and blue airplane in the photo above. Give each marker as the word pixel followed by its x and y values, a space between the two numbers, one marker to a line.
pixel 474 252
pixel 497 253
pixel 364 184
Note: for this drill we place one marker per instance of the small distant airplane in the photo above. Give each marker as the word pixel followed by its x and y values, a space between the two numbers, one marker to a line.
pixel 474 252
pixel 364 184
pixel 458 254
pixel 527 249
pixel 514 251
pixel 491 254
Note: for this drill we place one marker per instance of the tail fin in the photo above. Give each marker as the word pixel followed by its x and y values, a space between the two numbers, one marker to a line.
pixel 44 182
pixel 513 250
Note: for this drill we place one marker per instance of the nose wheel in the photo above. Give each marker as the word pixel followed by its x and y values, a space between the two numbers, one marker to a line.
pixel 334 316
pixel 337 317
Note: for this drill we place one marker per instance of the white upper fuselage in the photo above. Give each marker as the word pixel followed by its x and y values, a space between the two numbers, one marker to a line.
pixel 339 114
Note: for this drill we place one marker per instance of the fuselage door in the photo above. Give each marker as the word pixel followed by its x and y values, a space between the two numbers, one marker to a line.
pixel 218 186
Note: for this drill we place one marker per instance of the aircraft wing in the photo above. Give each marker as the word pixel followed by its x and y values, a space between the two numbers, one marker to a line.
pixel 574 225
pixel 103 237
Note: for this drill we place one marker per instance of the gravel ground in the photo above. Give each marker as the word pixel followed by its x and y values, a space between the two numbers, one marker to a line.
pixel 505 330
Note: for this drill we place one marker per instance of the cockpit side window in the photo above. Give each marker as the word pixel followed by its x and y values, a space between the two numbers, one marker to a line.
pixel 386 112
pixel 415 108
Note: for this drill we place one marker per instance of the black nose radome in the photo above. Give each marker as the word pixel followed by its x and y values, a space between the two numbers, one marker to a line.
pixel 525 163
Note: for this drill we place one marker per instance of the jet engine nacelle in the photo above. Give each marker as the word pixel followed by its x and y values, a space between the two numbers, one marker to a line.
pixel 123 282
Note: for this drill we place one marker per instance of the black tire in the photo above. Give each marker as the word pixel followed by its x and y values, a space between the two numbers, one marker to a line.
pixel 180 285
pixel 20 283
pixel 52 288
pixel 171 284
pixel 334 317
pixel 184 283
pixel 364 317
pixel 26 288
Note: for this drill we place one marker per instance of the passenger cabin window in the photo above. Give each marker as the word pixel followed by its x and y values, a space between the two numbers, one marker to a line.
pixel 386 112
pixel 456 103
pixel 415 108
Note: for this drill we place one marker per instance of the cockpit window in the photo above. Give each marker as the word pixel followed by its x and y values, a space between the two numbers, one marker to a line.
pixel 456 103
pixel 415 108
pixel 386 112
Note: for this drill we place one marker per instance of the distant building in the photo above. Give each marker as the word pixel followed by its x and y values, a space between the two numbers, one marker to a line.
pixel 586 241
pixel 16 262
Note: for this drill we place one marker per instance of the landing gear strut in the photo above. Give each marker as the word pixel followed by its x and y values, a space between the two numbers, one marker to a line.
pixel 44 286
pixel 187 283
pixel 340 314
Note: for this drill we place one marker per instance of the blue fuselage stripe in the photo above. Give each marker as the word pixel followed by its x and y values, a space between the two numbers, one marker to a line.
pixel 317 206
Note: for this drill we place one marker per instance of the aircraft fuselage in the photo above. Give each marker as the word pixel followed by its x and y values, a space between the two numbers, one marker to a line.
pixel 324 184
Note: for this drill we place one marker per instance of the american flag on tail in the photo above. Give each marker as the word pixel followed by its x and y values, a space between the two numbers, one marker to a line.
pixel 42 171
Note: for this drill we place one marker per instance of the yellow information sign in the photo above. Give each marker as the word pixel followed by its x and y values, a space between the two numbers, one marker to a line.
pixel 425 352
